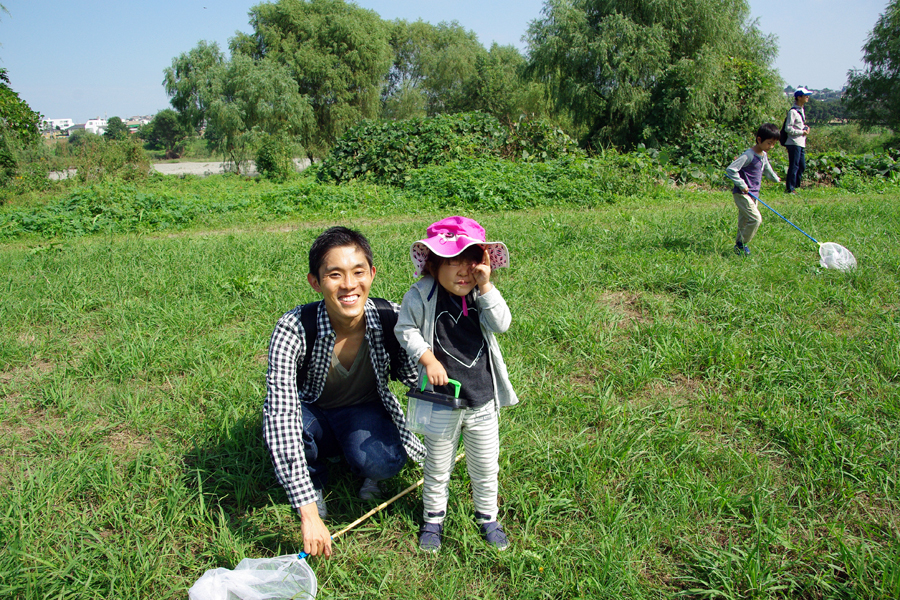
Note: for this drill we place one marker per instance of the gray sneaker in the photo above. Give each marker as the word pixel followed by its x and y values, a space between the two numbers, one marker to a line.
pixel 370 490
pixel 430 537
pixel 493 534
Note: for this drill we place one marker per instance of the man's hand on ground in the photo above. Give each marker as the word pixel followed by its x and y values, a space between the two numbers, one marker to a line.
pixel 316 537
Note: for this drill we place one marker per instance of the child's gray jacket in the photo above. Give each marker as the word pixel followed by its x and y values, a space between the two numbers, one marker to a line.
pixel 415 331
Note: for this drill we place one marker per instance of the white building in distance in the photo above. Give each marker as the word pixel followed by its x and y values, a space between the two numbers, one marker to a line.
pixel 97 126
pixel 134 123
pixel 61 124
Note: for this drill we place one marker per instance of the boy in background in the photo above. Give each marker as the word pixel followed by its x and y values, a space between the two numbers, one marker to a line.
pixel 746 172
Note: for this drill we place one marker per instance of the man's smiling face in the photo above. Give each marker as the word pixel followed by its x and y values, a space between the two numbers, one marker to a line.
pixel 344 280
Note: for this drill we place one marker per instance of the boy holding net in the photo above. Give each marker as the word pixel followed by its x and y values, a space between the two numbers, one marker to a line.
pixel 746 172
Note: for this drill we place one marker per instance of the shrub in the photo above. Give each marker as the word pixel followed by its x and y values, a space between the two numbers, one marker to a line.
pixel 24 168
pixel 666 166
pixel 106 160
pixel 81 137
pixel 8 162
pixel 710 144
pixel 536 140
pixel 830 167
pixel 496 184
pixel 275 159
pixel 385 152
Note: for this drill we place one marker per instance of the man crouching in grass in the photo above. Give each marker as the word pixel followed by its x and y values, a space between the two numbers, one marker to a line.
pixel 327 385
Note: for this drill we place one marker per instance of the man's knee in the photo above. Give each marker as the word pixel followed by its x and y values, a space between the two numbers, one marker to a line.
pixel 382 461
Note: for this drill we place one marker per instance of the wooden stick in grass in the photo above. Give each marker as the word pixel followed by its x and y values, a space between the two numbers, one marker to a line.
pixel 386 503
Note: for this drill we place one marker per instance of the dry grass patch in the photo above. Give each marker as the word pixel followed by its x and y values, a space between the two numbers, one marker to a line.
pixel 676 391
pixel 23 374
pixel 629 306
pixel 126 444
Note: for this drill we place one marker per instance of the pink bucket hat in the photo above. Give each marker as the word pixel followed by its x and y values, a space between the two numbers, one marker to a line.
pixel 450 236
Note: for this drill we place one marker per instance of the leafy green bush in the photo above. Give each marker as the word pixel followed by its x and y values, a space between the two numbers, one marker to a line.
pixel 537 140
pixel 709 144
pixel 495 184
pixel 8 162
pixel 387 151
pixel 880 164
pixel 60 154
pixel 665 166
pixel 24 168
pixel 81 137
pixel 275 159
pixel 106 160
pixel 829 167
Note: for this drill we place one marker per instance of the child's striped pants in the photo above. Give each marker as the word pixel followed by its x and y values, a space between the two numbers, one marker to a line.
pixel 481 438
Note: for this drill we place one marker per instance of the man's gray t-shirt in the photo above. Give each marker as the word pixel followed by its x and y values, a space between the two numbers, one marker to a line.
pixel 347 387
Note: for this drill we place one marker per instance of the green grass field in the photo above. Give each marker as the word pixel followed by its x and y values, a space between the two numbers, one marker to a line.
pixel 692 423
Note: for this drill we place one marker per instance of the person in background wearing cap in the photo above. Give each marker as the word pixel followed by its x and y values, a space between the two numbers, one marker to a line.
pixel 797 130
pixel 447 323
pixel 327 385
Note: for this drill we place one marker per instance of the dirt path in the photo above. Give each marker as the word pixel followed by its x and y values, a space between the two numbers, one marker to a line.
pixel 201 169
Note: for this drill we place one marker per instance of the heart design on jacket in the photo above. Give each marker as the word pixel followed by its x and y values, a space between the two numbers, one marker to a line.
pixel 468 349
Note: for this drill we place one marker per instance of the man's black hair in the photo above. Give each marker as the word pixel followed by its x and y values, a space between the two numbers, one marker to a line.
pixel 768 131
pixel 335 237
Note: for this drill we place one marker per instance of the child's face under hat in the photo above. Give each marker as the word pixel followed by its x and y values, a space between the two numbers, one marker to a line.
pixel 450 237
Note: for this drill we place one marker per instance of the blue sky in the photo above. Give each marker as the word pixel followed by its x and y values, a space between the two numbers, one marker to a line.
pixel 89 58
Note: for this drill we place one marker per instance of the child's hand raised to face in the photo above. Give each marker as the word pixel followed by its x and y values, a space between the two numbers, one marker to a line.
pixel 482 273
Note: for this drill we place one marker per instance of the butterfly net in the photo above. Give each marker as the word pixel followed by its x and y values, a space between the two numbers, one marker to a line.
pixel 276 578
pixel 835 256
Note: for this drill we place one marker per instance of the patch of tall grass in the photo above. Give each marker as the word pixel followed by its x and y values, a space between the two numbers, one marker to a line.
pixel 848 138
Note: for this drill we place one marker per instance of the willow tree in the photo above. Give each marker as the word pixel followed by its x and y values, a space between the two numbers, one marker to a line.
pixel 443 68
pixel 433 69
pixel 630 71
pixel 335 53
pixel 873 93
pixel 188 82
pixel 251 102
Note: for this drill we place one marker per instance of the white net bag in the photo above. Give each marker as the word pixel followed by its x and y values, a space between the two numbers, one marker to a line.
pixel 279 578
pixel 835 256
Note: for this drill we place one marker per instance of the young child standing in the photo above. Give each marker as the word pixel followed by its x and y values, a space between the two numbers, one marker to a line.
pixel 746 172
pixel 447 323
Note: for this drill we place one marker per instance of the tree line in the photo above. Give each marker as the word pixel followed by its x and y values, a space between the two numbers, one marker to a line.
pixel 610 73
